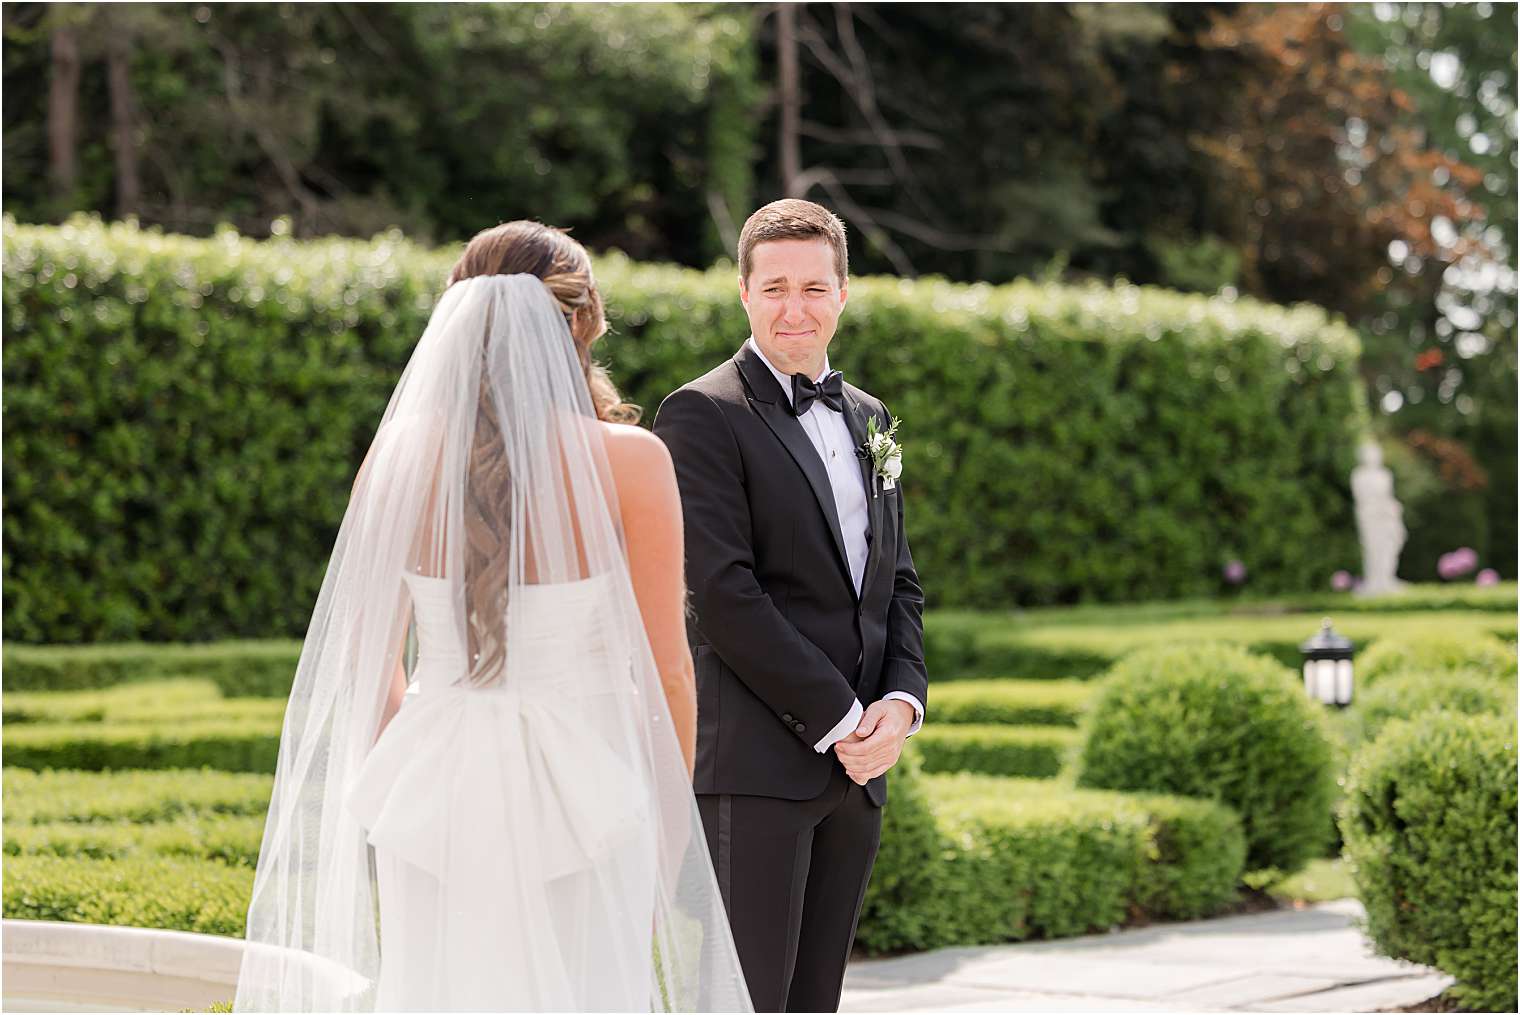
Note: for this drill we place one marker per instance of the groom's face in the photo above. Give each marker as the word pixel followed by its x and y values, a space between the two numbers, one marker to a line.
pixel 793 298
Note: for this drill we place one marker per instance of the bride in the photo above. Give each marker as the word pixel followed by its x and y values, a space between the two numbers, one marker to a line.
pixel 515 828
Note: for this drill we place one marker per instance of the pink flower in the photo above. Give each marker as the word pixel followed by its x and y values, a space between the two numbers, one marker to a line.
pixel 1457 563
pixel 1341 581
pixel 1487 576
pixel 1234 572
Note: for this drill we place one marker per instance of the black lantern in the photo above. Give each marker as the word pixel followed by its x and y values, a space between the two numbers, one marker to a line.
pixel 1327 666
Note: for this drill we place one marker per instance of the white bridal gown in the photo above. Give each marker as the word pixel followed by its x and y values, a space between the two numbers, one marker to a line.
pixel 514 840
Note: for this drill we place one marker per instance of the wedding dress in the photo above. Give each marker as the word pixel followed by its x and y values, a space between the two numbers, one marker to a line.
pixel 521 835
pixel 503 817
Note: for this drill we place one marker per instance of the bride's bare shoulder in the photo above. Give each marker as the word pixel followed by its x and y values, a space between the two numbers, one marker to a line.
pixel 633 446
pixel 639 460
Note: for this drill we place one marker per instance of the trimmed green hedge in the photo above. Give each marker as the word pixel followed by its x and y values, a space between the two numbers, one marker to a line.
pixel 1015 702
pixel 154 891
pixel 1031 751
pixel 228 744
pixel 1214 722
pixel 185 417
pixel 238 668
pixel 976 859
pixel 1429 825
pixel 138 796
pixel 964 859
pixel 1405 695
pixel 229 839
pixel 1083 643
pixel 93 705
pixel 1437 652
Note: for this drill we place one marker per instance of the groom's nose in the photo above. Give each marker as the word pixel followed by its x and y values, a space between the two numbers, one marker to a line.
pixel 791 310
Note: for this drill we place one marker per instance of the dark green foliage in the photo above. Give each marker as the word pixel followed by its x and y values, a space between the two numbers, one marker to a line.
pixel 239 669
pixel 231 744
pixel 1429 826
pixel 185 418
pixel 437 119
pixel 1215 722
pixel 1017 702
pixel 1032 751
pixel 976 859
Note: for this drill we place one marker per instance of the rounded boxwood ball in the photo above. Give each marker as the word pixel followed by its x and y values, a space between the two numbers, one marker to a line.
pixel 1213 721
pixel 1429 826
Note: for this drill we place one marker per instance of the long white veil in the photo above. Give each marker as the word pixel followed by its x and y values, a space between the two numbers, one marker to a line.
pixel 487 478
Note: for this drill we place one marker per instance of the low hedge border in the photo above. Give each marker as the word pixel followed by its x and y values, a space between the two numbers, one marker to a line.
pixel 140 796
pixel 1037 752
pixel 153 891
pixel 230 839
pixel 965 859
pixel 1015 702
pixel 238 668
pixel 231 745
pixel 94 705
pixel 157 701
pixel 1441 652
pixel 977 859
pixel 968 646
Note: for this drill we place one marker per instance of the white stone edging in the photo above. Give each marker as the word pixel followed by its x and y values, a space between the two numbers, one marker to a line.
pixel 51 966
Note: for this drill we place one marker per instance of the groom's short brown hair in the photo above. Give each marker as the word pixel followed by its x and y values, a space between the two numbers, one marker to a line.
pixel 793 219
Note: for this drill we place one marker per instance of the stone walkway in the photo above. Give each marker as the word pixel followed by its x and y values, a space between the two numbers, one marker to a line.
pixel 1306 960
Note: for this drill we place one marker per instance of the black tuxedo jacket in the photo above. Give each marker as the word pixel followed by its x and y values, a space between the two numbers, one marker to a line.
pixel 782 644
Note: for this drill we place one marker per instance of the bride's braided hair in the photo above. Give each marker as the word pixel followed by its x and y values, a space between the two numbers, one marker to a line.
pixel 521 247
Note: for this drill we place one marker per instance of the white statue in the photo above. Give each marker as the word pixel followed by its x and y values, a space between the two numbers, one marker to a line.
pixel 1379 521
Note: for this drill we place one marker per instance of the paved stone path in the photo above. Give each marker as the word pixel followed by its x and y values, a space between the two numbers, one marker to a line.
pixel 1305 960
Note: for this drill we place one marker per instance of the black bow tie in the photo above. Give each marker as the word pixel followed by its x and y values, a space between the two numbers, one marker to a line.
pixel 830 391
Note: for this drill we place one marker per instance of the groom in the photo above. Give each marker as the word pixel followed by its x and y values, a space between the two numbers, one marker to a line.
pixel 808 631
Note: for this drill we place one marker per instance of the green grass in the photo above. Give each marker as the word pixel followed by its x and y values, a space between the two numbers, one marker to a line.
pixel 1321 881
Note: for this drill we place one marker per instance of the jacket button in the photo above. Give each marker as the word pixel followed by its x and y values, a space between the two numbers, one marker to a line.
pixel 786 717
pixel 801 727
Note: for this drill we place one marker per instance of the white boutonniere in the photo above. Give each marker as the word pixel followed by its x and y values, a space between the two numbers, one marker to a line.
pixel 884 453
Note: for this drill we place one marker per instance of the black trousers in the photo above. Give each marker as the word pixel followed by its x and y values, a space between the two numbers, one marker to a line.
pixel 793 875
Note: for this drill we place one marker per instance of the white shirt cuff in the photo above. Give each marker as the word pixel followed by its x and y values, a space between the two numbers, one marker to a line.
pixel 918 708
pixel 842 729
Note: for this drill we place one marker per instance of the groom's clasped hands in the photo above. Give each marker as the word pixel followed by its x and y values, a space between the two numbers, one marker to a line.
pixel 877 742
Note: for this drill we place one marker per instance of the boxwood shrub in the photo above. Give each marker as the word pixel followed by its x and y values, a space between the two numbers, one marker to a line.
pixel 1033 751
pixel 185 417
pixel 1406 695
pixel 238 668
pixel 1215 722
pixel 1015 702
pixel 141 796
pixel 149 891
pixel 977 859
pixel 229 744
pixel 1436 653
pixel 1429 826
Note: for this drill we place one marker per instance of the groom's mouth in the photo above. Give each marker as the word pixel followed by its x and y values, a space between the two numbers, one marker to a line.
pixel 794 334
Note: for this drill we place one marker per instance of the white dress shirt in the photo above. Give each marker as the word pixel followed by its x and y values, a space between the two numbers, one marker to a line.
pixel 830 436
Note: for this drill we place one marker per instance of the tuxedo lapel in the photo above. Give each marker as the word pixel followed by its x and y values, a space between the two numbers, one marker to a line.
pixel 771 405
pixel 855 416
